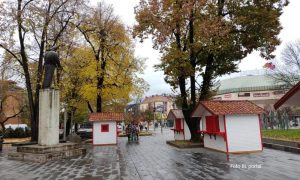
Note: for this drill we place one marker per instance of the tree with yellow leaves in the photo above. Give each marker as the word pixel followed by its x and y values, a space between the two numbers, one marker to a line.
pixel 112 70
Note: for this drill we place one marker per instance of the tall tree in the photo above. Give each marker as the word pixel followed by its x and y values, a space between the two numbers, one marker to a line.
pixel 287 68
pixel 114 64
pixel 38 26
pixel 210 37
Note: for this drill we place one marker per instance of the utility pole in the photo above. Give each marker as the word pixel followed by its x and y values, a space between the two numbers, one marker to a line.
pixel 154 116
pixel 65 122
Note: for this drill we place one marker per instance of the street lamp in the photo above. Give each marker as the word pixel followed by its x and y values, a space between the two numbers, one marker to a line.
pixel 64 110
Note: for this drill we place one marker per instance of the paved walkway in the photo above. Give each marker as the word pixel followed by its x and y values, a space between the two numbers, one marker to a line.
pixel 152 158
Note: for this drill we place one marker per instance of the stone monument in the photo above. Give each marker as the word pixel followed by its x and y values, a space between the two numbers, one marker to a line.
pixel 49 103
pixel 48 147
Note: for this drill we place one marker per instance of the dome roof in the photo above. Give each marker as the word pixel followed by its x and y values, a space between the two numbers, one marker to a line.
pixel 248 83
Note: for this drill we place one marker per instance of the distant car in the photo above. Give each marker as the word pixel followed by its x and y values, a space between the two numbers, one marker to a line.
pixel 294 123
pixel 85 130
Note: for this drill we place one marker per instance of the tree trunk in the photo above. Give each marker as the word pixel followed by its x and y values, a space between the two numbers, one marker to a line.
pixel 76 127
pixel 192 60
pixel 68 126
pixel 207 78
pixel 3 128
pixel 99 94
pixel 32 106
pixel 90 107
pixel 186 110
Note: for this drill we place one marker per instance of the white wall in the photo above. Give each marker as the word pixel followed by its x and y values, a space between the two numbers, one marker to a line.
pixel 178 135
pixel 243 133
pixel 221 123
pixel 218 144
pixel 187 132
pixel 102 138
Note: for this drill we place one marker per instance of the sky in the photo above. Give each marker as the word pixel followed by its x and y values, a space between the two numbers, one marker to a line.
pixel 125 10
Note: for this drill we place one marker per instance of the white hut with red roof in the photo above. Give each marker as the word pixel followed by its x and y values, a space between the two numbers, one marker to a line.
pixel 105 127
pixel 230 126
pixel 181 130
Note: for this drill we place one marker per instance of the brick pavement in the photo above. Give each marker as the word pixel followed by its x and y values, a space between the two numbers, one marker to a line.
pixel 152 158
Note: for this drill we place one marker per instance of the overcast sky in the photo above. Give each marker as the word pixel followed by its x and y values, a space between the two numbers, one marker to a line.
pixel 125 10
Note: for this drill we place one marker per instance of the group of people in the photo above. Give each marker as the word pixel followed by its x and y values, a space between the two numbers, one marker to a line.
pixel 132 132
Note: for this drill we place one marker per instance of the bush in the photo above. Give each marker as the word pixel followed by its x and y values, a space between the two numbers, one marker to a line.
pixel 17 133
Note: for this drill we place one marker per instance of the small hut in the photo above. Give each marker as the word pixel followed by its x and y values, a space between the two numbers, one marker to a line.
pixel 230 126
pixel 105 130
pixel 181 130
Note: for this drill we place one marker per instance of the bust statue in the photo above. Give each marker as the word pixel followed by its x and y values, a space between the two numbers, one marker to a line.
pixel 51 62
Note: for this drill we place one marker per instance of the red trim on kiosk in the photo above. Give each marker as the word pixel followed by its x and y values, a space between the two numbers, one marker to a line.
pixel 226 139
pixel 183 129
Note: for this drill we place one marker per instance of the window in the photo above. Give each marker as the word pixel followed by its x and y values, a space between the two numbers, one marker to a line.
pixel 104 127
pixel 212 124
pixel 178 124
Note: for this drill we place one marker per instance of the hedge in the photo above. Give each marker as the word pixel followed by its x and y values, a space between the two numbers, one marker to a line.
pixel 16 133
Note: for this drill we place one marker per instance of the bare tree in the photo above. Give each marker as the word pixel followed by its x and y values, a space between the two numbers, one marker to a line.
pixel 287 69
pixel 38 25
pixel 4 115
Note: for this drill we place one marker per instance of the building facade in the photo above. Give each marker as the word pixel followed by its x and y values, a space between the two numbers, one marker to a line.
pixel 259 89
pixel 13 100
pixel 158 103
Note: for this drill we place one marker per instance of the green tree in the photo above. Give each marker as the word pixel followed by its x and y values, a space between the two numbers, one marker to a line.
pixel 208 37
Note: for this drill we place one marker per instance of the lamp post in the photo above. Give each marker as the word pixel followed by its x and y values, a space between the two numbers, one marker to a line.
pixel 154 116
pixel 65 120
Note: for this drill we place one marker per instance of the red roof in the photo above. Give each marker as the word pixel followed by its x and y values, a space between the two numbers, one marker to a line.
pixel 106 117
pixel 230 107
pixel 287 95
pixel 175 113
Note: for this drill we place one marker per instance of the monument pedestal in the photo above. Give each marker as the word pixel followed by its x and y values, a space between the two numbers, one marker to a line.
pixel 37 153
pixel 48 147
pixel 49 117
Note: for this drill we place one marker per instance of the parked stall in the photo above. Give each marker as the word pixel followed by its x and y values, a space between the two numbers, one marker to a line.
pixel 230 126
pixel 181 130
pixel 105 131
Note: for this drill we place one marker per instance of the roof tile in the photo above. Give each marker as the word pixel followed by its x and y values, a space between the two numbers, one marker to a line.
pixel 106 116
pixel 232 107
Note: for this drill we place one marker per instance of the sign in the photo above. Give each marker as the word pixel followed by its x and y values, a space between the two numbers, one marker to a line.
pixel 278 92
pixel 227 96
pixel 261 94
pixel 244 94
pixel 217 98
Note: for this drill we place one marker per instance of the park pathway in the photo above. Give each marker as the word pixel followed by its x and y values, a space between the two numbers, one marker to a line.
pixel 152 158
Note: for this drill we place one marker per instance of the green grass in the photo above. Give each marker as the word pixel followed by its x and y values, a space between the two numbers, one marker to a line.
pixel 290 135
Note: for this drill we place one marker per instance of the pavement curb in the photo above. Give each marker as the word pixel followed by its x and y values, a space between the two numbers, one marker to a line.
pixel 282 148
pixel 195 145
pixel 288 146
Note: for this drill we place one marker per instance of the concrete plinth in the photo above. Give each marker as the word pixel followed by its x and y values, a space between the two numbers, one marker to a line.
pixel 37 153
pixel 48 117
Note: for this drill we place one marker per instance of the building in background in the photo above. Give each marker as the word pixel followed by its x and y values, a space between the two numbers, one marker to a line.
pixel 158 103
pixel 13 103
pixel 259 89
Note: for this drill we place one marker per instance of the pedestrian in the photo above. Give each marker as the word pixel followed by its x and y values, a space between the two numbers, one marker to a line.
pixel 128 131
pixel 141 127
